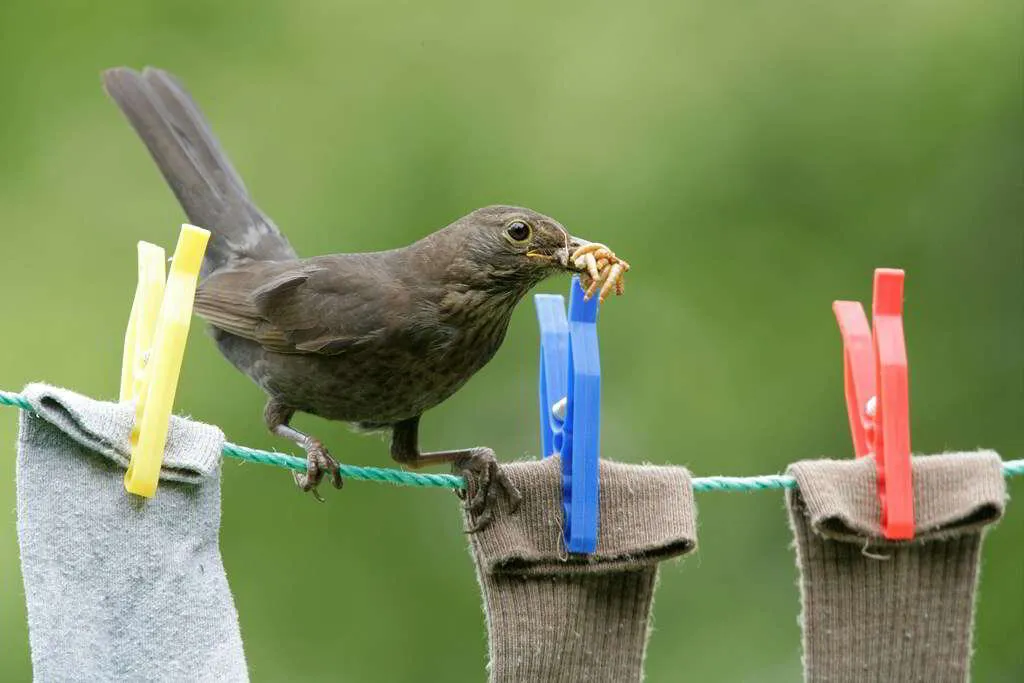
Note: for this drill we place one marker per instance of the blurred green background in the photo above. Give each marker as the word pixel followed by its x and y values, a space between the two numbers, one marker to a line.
pixel 752 160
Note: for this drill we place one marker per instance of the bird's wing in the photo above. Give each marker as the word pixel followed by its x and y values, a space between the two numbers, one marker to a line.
pixel 325 305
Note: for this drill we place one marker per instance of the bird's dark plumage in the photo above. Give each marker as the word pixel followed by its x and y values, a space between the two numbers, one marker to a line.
pixel 373 339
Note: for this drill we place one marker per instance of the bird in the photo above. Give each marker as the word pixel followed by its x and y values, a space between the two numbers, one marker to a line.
pixel 372 339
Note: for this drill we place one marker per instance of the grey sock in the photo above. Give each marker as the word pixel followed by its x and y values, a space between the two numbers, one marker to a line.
pixel 875 610
pixel 118 587
pixel 551 617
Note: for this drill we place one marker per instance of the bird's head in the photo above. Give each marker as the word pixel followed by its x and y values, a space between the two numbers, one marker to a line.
pixel 511 249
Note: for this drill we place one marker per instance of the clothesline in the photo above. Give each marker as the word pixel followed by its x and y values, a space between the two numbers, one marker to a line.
pixel 1011 468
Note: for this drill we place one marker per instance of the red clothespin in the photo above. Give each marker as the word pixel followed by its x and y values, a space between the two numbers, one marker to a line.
pixel 877 396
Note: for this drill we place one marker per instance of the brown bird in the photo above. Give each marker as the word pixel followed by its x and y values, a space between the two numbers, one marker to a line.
pixel 372 339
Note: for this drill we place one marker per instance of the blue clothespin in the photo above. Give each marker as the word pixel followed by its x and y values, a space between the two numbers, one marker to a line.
pixel 570 407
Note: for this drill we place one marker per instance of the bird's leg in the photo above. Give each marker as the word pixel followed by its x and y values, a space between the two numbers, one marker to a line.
pixel 318 460
pixel 484 478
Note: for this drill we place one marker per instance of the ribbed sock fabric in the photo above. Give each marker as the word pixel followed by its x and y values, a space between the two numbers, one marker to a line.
pixel 875 610
pixel 119 587
pixel 560 618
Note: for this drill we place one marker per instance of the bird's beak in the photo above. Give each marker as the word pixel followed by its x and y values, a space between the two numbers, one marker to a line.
pixel 563 254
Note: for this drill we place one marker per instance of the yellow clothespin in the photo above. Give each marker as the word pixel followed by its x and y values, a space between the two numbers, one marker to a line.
pixel 154 346
pixel 139 338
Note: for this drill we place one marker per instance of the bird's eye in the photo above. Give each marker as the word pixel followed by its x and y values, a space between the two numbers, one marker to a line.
pixel 518 231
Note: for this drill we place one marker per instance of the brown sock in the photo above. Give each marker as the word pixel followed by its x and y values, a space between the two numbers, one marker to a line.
pixel 875 610
pixel 553 617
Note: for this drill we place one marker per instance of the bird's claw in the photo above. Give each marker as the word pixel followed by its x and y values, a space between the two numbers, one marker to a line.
pixel 485 481
pixel 318 463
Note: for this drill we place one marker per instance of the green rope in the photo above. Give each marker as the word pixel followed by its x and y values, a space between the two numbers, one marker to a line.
pixel 760 483
pixel 16 400
pixel 1011 468
pixel 383 474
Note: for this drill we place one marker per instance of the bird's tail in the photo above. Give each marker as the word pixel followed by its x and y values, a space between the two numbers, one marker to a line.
pixel 206 184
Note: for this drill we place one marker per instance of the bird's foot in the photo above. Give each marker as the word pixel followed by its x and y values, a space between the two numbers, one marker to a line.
pixel 318 463
pixel 484 483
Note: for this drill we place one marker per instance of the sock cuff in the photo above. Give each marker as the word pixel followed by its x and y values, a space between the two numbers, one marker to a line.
pixel 954 493
pixel 192 451
pixel 646 514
